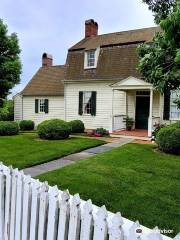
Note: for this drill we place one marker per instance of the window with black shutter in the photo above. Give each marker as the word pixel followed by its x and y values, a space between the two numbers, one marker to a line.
pixel 87 103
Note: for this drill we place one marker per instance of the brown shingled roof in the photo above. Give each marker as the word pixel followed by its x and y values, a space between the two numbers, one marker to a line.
pixel 118 57
pixel 137 35
pixel 47 81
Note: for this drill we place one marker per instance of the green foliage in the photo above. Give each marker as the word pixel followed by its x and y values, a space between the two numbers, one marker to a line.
pixel 8 128
pixel 7 111
pixel 160 8
pixel 102 131
pixel 176 124
pixel 168 139
pixel 129 122
pixel 54 129
pixel 160 61
pixel 77 126
pixel 26 125
pixel 157 128
pixel 10 65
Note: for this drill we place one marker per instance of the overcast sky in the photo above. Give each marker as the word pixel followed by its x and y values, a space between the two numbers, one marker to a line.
pixel 52 26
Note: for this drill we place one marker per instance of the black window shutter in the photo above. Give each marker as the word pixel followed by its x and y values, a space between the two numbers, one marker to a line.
pixel 46 107
pixel 36 105
pixel 80 103
pixel 167 95
pixel 93 104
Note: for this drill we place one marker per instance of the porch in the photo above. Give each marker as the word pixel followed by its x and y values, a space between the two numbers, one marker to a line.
pixel 137 99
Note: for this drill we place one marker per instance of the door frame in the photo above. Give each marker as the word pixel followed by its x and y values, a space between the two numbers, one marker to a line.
pixel 142 95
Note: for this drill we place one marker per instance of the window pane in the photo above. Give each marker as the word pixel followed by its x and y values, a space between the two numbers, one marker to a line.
pixel 175 112
pixel 91 58
pixel 41 105
pixel 87 102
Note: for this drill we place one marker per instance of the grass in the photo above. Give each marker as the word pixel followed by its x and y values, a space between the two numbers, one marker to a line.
pixel 27 149
pixel 135 179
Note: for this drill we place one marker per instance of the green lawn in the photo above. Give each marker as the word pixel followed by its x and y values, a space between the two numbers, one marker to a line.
pixel 134 179
pixel 27 149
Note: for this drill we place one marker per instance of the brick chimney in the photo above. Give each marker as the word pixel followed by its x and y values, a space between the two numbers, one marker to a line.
pixel 91 28
pixel 47 60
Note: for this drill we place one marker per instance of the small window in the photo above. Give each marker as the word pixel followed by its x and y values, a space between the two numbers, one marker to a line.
pixel 91 58
pixel 87 104
pixel 41 105
pixel 174 111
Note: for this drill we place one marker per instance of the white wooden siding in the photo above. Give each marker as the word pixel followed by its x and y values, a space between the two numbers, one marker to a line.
pixel 56 109
pixel 103 116
pixel 17 107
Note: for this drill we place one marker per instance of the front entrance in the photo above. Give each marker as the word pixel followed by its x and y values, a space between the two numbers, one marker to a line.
pixel 142 112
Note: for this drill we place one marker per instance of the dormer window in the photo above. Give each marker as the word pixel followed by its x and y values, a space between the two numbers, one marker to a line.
pixel 91 58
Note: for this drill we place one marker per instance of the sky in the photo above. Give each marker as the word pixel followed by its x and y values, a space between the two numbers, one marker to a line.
pixel 53 26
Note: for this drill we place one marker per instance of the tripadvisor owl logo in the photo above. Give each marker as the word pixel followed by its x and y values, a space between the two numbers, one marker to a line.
pixel 138 231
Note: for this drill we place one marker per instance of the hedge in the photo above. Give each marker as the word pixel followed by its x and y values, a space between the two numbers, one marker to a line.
pixel 8 128
pixel 26 125
pixel 54 129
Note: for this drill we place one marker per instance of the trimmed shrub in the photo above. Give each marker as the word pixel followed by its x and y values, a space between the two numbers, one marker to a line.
pixel 102 131
pixel 8 128
pixel 77 126
pixel 26 125
pixel 54 129
pixel 168 140
pixel 176 124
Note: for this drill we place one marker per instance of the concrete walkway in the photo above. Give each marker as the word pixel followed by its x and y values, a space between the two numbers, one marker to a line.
pixel 70 159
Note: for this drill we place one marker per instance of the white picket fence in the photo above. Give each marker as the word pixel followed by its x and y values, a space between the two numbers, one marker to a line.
pixel 32 210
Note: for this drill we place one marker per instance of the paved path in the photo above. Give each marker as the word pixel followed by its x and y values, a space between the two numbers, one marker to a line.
pixel 70 159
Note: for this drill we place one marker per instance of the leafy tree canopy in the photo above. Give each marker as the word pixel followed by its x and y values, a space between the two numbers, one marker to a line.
pixel 160 8
pixel 10 65
pixel 160 61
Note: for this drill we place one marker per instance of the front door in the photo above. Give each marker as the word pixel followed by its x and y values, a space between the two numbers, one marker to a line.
pixel 142 112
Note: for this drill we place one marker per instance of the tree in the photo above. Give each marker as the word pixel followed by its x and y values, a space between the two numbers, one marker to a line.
pixel 160 61
pixel 160 8
pixel 10 65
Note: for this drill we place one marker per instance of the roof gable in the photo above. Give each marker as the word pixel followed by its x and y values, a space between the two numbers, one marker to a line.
pixel 131 82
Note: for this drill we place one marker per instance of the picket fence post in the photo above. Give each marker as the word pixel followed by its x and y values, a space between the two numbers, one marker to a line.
pixel 43 207
pixel 74 223
pixel 2 200
pixel 116 231
pixel 13 204
pixel 34 213
pixel 26 207
pixel 155 234
pixel 100 225
pixel 52 213
pixel 87 221
pixel 8 183
pixel 64 213
pixel 18 217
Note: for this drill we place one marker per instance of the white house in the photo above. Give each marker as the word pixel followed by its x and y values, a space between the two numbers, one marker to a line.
pixel 99 84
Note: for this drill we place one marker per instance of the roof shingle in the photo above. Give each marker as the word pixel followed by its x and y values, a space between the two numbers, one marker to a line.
pixel 47 81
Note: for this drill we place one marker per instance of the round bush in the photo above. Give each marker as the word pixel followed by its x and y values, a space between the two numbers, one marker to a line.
pixel 77 126
pixel 8 128
pixel 54 129
pixel 26 125
pixel 102 131
pixel 168 140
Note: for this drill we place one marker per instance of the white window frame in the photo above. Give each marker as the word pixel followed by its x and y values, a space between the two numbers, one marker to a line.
pixel 96 55
pixel 41 105
pixel 174 105
pixel 84 103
